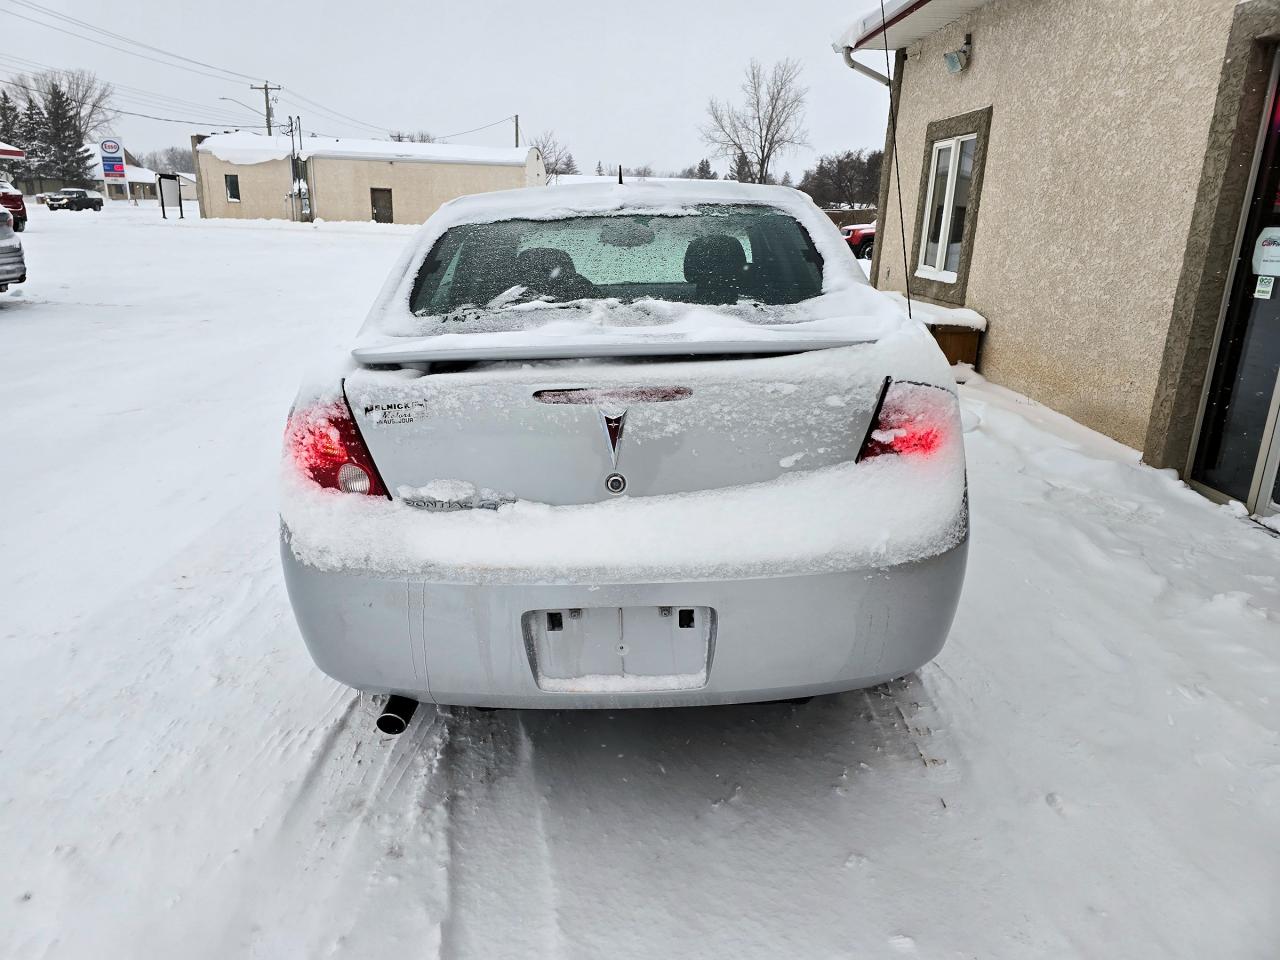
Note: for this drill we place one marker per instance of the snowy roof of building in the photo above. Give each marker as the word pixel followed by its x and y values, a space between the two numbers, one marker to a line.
pixel 10 151
pixel 244 147
pixel 907 22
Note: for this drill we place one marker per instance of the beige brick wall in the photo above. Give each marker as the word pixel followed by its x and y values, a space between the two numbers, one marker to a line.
pixel 1101 113
pixel 264 189
pixel 340 187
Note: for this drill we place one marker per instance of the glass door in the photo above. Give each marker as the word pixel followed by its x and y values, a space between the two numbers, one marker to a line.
pixel 1239 439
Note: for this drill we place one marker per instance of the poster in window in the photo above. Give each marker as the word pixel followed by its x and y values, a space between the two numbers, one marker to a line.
pixel 1266 253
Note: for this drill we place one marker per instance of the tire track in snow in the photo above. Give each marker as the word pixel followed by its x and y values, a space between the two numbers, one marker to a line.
pixel 502 890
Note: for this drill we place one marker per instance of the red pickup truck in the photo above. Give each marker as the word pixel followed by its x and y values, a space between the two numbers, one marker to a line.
pixel 861 239
pixel 12 201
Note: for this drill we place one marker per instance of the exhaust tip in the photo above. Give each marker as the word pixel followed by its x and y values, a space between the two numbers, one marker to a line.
pixel 396 715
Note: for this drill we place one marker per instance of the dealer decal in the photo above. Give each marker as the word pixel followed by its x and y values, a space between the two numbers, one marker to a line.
pixel 390 414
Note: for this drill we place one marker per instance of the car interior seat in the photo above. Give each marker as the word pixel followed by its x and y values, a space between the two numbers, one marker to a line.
pixel 547 271
pixel 717 267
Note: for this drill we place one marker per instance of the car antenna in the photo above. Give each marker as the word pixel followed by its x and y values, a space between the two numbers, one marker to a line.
pixel 619 174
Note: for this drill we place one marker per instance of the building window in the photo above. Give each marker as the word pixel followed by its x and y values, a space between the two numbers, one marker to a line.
pixel 233 187
pixel 946 206
pixel 950 187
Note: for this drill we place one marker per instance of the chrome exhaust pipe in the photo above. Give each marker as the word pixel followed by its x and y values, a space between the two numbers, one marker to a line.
pixel 396 714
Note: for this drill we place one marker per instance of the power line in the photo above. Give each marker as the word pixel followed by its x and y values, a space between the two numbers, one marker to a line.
pixel 85 25
pixel 147 116
pixel 110 46
pixel 129 40
pixel 149 99
pixel 194 123
pixel 26 65
pixel 463 133
pixel 342 116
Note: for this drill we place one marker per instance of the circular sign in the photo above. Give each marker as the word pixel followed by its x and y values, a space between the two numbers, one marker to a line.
pixel 110 146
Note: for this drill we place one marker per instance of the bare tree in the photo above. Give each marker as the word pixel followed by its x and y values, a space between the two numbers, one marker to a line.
pixel 168 160
pixel 556 157
pixel 415 136
pixel 770 121
pixel 90 97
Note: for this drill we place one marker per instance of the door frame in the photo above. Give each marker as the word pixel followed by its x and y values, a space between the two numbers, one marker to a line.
pixel 1267 463
pixel 390 203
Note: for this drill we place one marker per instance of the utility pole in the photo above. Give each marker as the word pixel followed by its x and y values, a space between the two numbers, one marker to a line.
pixel 266 89
pixel 517 129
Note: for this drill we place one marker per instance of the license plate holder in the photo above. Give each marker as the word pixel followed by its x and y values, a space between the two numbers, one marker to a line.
pixel 620 649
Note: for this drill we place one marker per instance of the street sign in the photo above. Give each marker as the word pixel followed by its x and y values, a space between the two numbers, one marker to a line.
pixel 112 160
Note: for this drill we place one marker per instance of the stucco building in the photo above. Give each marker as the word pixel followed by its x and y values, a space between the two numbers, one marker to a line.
pixel 1099 179
pixel 249 176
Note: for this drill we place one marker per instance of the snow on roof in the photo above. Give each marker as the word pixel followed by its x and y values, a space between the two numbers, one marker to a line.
pixel 139 174
pixel 244 147
pixel 907 21
pixel 10 151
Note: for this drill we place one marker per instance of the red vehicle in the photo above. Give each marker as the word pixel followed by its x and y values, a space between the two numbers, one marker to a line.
pixel 861 239
pixel 12 201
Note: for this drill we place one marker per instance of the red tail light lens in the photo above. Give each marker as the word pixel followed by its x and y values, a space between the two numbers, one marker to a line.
pixel 910 420
pixel 326 445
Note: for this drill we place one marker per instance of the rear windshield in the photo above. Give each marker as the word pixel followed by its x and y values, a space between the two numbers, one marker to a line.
pixel 718 254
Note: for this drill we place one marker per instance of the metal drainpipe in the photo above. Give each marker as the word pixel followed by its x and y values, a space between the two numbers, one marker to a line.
pixel 862 68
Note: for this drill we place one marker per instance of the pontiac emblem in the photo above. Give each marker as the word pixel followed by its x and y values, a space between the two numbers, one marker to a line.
pixel 613 424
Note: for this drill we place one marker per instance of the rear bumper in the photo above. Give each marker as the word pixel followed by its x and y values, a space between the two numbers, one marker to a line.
pixel 13 266
pixel 776 638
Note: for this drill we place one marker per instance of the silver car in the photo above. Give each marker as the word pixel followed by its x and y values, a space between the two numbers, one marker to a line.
pixel 626 445
pixel 13 265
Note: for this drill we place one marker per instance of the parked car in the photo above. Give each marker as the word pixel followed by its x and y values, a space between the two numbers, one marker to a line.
pixel 626 446
pixel 11 199
pixel 13 267
pixel 74 198
pixel 861 239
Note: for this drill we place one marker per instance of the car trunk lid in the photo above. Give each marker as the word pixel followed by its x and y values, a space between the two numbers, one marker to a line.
pixel 466 435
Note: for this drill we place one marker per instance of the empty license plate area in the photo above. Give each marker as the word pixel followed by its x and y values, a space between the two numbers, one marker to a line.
pixel 620 649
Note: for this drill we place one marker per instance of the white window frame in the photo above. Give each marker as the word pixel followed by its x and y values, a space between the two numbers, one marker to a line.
pixel 935 271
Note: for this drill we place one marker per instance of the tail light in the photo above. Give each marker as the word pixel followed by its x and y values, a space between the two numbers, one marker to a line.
pixel 910 419
pixel 326 445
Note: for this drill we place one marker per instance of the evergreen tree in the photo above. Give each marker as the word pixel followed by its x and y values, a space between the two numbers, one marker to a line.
pixel 10 119
pixel 743 171
pixel 33 137
pixel 787 181
pixel 69 159
pixel 599 169
pixel 704 171
pixel 570 165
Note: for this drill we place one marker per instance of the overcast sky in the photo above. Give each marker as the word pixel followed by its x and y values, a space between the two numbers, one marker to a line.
pixel 618 84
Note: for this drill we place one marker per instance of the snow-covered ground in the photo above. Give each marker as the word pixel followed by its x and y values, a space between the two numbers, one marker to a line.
pixel 1090 769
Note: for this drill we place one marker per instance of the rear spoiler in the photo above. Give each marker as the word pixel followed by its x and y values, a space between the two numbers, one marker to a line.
pixel 479 346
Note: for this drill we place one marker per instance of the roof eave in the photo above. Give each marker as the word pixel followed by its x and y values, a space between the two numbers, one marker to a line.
pixel 908 24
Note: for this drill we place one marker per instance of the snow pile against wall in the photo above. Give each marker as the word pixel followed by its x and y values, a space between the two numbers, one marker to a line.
pixel 249 148
pixel 935 315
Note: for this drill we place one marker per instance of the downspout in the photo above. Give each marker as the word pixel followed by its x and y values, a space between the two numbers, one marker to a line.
pixel 862 68
pixel 886 165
